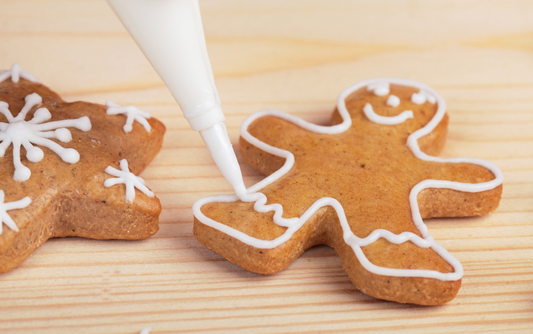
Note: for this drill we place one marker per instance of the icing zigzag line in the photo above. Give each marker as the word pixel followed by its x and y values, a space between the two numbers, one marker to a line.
pixel 351 239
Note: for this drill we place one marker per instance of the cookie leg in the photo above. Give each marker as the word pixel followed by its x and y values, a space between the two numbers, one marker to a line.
pixel 416 290
pixel 324 227
pixel 403 272
pixel 272 253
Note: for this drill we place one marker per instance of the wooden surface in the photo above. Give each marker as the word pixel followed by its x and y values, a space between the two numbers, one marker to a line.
pixel 296 56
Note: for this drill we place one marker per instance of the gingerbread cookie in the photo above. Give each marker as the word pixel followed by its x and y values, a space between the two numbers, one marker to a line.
pixel 59 175
pixel 362 186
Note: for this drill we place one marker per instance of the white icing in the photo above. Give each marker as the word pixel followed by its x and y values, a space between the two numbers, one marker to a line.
pixel 124 176
pixel 379 88
pixel 4 207
pixel 393 101
pixel 36 131
pixel 146 330
pixel 422 96
pixel 132 113
pixel 418 98
pixel 293 224
pixel 398 119
pixel 15 73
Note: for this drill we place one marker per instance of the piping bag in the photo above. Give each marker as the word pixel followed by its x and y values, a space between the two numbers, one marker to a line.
pixel 171 36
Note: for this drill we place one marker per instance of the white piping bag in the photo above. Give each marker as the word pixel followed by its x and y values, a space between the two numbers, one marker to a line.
pixel 171 36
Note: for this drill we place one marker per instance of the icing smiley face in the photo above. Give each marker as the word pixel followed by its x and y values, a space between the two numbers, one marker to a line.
pixel 361 186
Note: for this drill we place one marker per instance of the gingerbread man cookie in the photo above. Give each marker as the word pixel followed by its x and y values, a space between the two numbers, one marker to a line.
pixel 59 175
pixel 362 186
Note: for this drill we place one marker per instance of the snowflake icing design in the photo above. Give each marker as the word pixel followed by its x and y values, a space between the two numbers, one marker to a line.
pixel 132 114
pixel 39 132
pixel 15 73
pixel 4 207
pixel 130 180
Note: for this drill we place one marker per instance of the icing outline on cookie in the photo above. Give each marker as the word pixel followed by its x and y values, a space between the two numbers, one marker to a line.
pixel 293 224
pixel 379 88
pixel 35 131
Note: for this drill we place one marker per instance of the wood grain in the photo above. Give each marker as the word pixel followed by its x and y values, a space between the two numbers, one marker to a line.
pixel 295 56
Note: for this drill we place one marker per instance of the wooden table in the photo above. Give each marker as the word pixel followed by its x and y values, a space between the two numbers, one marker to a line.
pixel 296 56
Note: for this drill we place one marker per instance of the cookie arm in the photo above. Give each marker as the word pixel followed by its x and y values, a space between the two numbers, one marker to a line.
pixel 263 139
pixel 446 202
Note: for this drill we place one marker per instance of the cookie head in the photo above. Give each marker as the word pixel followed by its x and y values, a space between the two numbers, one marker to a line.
pixel 405 109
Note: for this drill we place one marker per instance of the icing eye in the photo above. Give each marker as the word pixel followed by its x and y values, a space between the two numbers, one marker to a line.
pixel 431 98
pixel 379 89
pixel 35 154
pixel 418 98
pixel 63 134
pixel 70 155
